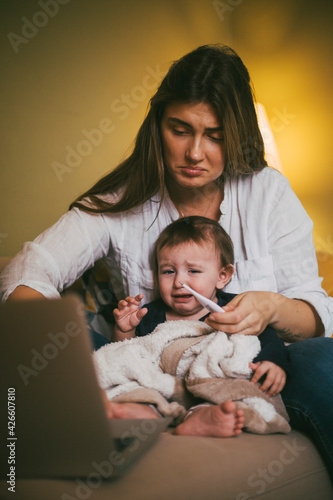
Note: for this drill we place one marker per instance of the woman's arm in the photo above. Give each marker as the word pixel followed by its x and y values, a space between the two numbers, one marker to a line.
pixel 249 313
pixel 25 293
pixel 295 319
pixel 279 256
pixel 301 308
pixel 56 258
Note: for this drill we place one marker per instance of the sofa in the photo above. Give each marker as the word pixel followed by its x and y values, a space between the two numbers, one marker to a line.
pixel 249 466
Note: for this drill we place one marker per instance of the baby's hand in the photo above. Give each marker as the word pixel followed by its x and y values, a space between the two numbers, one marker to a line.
pixel 128 315
pixel 275 377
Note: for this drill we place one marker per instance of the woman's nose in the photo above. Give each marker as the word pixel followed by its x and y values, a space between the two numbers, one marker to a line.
pixel 195 152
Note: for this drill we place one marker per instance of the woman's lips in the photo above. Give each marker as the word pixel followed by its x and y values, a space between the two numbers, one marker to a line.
pixel 192 171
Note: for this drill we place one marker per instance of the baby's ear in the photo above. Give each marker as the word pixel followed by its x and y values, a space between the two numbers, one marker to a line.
pixel 225 276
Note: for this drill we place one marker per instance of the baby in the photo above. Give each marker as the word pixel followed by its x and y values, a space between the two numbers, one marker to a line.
pixel 196 251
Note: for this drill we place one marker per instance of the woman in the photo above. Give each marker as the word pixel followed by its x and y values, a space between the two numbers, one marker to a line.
pixel 199 151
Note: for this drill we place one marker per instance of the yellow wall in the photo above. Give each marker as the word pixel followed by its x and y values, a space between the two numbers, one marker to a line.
pixel 95 63
pixel 287 46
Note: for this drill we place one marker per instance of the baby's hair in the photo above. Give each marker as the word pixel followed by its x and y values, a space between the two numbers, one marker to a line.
pixel 198 229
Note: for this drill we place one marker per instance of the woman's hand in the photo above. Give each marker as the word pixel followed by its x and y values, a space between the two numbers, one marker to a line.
pixel 275 377
pixel 127 317
pixel 247 314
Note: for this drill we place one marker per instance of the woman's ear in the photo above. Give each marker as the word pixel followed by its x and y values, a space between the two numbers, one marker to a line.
pixel 225 276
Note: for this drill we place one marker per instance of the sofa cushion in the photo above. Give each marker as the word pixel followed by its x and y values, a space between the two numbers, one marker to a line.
pixel 249 466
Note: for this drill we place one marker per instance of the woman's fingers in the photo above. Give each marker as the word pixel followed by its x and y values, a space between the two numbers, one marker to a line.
pixel 247 314
pixel 232 324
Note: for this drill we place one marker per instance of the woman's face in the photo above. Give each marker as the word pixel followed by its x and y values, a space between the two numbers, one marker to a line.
pixel 192 141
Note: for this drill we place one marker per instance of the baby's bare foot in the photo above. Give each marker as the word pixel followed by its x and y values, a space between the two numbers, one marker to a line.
pixel 222 420
pixel 130 410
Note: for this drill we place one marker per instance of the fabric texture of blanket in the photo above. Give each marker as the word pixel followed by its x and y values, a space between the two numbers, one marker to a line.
pixel 184 362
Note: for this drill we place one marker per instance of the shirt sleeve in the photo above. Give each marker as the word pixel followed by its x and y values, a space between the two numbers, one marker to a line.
pixel 294 258
pixel 58 256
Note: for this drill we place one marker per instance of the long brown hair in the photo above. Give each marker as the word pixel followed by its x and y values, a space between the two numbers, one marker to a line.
pixel 213 74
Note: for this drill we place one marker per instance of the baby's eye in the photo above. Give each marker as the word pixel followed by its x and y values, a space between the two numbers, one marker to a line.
pixel 167 271
pixel 194 271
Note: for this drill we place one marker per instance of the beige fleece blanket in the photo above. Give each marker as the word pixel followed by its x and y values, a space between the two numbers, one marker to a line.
pixel 183 363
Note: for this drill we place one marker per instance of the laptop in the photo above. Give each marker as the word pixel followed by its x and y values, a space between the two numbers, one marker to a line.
pixel 52 413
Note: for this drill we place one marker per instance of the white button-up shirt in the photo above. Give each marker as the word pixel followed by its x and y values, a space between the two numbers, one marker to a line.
pixel 270 230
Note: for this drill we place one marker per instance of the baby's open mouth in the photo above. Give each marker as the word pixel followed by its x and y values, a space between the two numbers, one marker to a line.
pixel 183 296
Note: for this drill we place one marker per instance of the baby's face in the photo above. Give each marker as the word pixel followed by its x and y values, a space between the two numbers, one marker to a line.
pixel 196 265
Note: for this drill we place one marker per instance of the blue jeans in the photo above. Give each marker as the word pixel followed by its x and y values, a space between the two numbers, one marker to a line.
pixel 308 393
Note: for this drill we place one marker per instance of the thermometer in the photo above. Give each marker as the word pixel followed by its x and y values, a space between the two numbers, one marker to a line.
pixel 208 304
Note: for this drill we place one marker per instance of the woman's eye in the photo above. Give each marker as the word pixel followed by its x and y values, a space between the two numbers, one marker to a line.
pixel 177 131
pixel 215 139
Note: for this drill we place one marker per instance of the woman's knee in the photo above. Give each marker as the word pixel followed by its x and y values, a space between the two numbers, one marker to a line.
pixel 311 376
pixel 314 350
